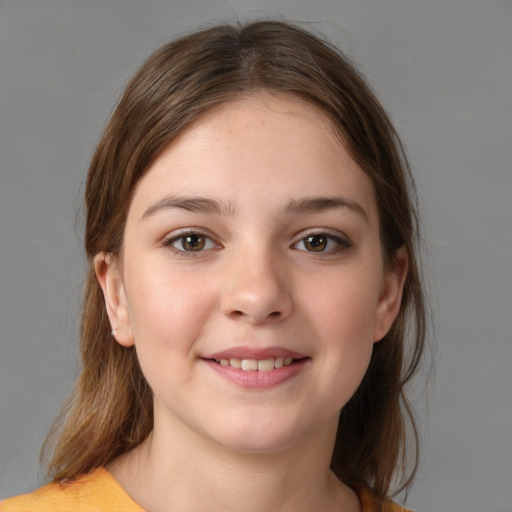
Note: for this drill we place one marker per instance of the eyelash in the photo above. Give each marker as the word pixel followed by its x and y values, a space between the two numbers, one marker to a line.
pixel 341 244
pixel 169 242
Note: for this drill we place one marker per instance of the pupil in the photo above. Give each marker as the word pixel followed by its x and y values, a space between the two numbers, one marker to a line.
pixel 193 242
pixel 316 243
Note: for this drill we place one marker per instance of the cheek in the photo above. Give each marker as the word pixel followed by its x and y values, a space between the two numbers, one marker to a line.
pixel 166 308
pixel 345 306
pixel 343 319
pixel 167 311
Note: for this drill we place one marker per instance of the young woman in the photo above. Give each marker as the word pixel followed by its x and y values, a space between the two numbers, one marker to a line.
pixel 254 306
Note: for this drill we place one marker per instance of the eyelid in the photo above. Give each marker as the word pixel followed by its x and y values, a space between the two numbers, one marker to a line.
pixel 174 236
pixel 343 241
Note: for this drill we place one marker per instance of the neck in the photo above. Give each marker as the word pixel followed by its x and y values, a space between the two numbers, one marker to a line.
pixel 168 472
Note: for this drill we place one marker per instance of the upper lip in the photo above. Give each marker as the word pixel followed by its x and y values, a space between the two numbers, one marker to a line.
pixel 254 353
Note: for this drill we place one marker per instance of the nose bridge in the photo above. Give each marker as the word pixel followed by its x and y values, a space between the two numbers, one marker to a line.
pixel 256 289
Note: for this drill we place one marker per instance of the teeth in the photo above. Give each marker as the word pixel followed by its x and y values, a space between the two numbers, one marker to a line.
pixel 261 365
pixel 249 364
pixel 266 365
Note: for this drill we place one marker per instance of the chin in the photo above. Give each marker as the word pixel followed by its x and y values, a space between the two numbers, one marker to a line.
pixel 259 438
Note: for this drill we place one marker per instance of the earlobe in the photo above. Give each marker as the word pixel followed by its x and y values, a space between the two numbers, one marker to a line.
pixel 390 297
pixel 110 278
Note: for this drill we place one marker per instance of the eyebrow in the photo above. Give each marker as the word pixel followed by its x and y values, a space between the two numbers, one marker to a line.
pixel 322 203
pixel 211 206
pixel 191 204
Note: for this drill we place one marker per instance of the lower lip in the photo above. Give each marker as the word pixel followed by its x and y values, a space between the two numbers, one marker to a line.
pixel 252 379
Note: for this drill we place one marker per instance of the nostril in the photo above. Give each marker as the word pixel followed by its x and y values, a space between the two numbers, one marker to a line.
pixel 239 314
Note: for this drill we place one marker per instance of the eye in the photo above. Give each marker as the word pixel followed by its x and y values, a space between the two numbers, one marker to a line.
pixel 321 242
pixel 190 242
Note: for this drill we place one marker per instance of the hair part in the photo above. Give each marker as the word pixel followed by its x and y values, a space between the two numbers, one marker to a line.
pixel 110 409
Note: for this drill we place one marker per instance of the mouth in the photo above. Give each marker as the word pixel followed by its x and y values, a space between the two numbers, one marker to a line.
pixel 257 368
pixel 257 365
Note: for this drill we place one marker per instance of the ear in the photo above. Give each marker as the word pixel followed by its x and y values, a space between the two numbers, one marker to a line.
pixel 109 274
pixel 390 296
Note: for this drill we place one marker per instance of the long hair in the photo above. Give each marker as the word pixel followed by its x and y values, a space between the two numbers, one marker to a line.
pixel 110 409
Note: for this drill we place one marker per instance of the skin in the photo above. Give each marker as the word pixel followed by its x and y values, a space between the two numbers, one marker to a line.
pixel 256 283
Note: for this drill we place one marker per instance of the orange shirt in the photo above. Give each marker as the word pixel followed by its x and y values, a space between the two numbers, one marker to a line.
pixel 99 491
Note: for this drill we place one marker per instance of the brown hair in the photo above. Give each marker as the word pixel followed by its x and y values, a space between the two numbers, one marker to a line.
pixel 110 410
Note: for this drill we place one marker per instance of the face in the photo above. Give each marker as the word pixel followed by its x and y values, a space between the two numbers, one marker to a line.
pixel 251 279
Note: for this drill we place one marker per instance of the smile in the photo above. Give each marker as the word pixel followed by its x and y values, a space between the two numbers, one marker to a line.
pixel 257 368
pixel 259 365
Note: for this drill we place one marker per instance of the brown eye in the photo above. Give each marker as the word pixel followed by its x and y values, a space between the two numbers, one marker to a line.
pixel 315 243
pixel 322 243
pixel 190 242
pixel 193 242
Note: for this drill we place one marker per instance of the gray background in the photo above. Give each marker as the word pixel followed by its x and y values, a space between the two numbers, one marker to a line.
pixel 443 68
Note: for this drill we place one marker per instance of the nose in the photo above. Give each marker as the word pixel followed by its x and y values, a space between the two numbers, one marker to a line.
pixel 256 290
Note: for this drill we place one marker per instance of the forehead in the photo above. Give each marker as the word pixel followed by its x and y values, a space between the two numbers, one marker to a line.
pixel 258 148
pixel 258 117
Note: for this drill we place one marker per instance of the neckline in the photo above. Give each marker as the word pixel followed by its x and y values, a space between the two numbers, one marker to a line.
pixel 363 493
pixel 120 491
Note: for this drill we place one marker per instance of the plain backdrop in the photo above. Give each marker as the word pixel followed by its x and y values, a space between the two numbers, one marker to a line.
pixel 442 68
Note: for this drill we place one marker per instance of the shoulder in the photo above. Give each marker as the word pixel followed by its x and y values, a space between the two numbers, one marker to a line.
pixel 370 503
pixel 95 491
